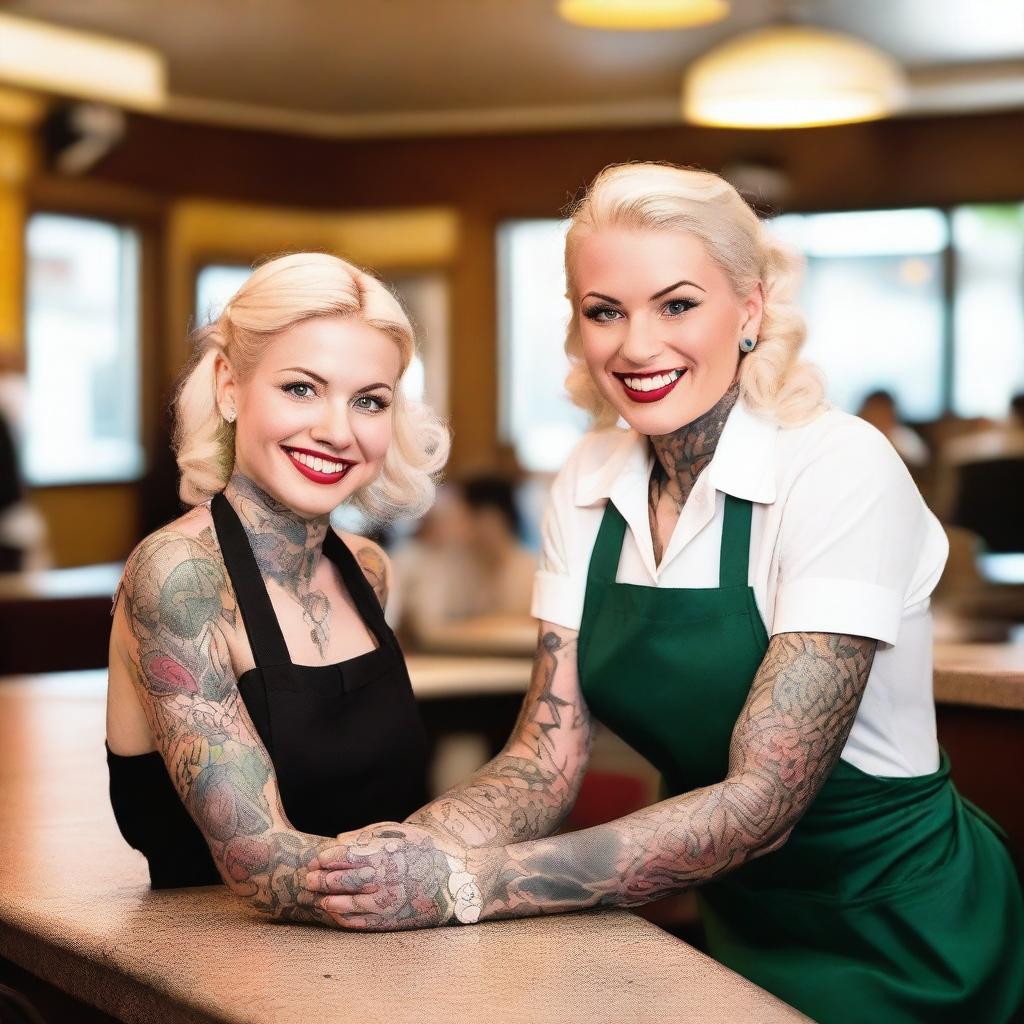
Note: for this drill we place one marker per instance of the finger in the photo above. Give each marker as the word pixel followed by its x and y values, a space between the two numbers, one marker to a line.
pixel 351 881
pixel 336 858
pixel 377 903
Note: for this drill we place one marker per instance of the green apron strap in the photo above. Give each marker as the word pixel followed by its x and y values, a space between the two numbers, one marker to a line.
pixel 604 563
pixel 734 555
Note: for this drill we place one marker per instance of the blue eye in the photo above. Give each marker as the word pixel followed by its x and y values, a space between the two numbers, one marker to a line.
pixel 675 307
pixel 371 403
pixel 300 389
pixel 602 314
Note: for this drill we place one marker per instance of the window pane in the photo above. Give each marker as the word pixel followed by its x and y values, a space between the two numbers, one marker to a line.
pixel 83 351
pixel 535 413
pixel 215 284
pixel 873 297
pixel 989 308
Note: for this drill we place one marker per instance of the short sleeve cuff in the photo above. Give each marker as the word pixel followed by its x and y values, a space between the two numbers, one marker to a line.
pixel 557 599
pixel 852 607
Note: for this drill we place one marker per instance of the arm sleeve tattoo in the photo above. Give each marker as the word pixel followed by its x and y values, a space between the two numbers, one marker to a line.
pixel 177 612
pixel 785 744
pixel 528 789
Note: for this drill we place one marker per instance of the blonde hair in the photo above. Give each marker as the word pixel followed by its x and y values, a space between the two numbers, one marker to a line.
pixel 663 197
pixel 279 294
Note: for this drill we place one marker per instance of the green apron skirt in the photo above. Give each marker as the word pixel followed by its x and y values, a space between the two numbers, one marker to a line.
pixel 894 900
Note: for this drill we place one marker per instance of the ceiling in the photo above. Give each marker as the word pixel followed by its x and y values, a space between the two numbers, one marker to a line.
pixel 392 67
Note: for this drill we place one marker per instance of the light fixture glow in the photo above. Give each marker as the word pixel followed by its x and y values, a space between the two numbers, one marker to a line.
pixel 791 77
pixel 82 65
pixel 642 15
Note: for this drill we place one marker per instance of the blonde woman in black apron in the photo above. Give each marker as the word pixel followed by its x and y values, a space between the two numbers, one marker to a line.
pixel 738 585
pixel 258 702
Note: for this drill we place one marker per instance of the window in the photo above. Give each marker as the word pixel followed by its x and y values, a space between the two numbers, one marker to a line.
pixel 873 298
pixel 988 308
pixel 82 341
pixel 535 413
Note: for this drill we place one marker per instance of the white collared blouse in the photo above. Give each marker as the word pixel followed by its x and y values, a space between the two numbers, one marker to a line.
pixel 841 542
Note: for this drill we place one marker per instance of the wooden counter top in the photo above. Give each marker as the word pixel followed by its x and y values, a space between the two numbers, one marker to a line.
pixel 76 911
pixel 981 675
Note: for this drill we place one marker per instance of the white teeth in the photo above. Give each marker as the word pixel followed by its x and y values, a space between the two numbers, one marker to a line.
pixel 659 380
pixel 317 464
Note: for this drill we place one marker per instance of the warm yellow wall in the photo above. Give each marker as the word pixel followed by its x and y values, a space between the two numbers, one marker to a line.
pixel 89 524
pixel 17 160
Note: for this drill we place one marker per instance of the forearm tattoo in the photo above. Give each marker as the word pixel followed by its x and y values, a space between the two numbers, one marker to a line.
pixel 785 744
pixel 179 609
pixel 529 788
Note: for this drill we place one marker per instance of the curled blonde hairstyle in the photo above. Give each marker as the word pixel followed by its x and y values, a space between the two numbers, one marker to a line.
pixel 280 294
pixel 662 197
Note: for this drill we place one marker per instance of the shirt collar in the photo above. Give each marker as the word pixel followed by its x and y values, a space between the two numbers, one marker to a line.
pixel 743 464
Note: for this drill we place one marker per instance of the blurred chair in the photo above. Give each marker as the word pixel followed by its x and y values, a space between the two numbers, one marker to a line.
pixel 987 501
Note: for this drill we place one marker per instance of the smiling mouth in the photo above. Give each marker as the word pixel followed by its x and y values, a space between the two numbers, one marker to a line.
pixel 649 387
pixel 320 469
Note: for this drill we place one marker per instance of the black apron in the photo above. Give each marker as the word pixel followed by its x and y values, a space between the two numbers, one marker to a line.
pixel 346 740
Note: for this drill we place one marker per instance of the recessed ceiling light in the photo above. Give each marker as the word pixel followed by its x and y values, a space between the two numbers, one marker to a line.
pixel 82 65
pixel 642 14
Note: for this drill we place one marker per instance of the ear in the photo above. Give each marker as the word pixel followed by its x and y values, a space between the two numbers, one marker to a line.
pixel 226 384
pixel 753 310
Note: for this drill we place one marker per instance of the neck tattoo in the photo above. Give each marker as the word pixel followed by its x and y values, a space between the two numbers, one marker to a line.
pixel 287 549
pixel 681 456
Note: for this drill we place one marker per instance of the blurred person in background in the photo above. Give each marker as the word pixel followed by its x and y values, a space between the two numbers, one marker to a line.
pixel 23 535
pixel 465 562
pixel 430 570
pixel 505 567
pixel 880 410
pixel 739 586
pixel 258 701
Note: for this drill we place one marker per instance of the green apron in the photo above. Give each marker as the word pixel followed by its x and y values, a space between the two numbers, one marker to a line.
pixel 894 901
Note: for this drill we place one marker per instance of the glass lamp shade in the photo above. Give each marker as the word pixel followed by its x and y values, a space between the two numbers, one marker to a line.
pixel 791 77
pixel 642 14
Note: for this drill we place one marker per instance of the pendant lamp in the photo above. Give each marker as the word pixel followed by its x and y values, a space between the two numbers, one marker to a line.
pixel 791 76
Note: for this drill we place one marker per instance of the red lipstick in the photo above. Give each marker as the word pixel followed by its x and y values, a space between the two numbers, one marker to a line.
pixel 315 475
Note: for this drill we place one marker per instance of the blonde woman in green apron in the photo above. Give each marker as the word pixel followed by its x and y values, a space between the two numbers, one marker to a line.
pixel 738 585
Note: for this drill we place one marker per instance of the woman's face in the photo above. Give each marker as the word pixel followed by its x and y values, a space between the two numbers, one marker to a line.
pixel 314 417
pixel 660 324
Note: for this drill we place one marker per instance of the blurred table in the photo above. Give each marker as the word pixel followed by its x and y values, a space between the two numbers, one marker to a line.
pixel 71 606
pixel 76 912
pixel 502 635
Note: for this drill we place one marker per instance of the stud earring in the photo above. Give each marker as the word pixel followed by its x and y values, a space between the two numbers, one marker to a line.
pixel 747 344
pixel 229 416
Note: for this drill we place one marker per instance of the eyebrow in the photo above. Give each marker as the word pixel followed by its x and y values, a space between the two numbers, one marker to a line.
pixel 656 295
pixel 323 381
